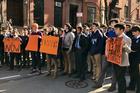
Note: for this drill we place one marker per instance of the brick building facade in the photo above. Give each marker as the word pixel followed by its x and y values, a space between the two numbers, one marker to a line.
pixel 59 12
pixel 129 10
pixel 55 12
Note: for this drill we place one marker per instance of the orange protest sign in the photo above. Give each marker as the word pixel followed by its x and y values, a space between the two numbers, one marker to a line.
pixel 32 43
pixel 12 45
pixel 49 45
pixel 114 50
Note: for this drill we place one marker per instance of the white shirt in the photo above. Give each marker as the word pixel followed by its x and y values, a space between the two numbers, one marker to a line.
pixel 138 36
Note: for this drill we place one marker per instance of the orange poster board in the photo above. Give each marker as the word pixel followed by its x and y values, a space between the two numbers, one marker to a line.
pixel 32 43
pixel 49 45
pixel 12 45
pixel 114 50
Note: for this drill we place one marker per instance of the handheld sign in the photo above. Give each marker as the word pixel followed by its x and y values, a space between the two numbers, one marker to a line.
pixel 49 45
pixel 114 50
pixel 12 45
pixel 32 43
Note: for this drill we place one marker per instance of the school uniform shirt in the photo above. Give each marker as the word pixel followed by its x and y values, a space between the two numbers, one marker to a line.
pixel 104 41
pixel 37 33
pixel 96 42
pixel 135 55
pixel 24 42
pixel 7 34
pixel 129 34
pixel 81 43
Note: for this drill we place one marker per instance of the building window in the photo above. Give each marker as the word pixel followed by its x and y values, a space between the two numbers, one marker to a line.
pixel 91 14
pixel 126 11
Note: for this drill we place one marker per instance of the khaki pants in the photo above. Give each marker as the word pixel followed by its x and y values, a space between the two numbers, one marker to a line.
pixel 89 63
pixel 52 66
pixel 96 61
pixel 67 62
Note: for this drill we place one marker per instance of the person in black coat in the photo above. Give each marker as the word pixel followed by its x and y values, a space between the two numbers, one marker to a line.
pixel 17 56
pixel 1 49
pixel 80 47
pixel 35 55
pixel 25 54
pixel 134 58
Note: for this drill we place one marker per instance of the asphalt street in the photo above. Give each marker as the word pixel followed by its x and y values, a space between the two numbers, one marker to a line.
pixel 24 82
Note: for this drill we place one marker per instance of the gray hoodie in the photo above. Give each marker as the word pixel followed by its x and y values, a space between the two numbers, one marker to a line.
pixel 68 40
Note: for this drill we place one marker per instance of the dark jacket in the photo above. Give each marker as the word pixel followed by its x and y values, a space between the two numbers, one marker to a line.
pixel 24 42
pixel 1 42
pixel 83 43
pixel 135 56
pixel 96 41
pixel 129 34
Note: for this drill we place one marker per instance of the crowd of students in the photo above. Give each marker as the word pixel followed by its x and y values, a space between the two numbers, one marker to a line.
pixel 81 51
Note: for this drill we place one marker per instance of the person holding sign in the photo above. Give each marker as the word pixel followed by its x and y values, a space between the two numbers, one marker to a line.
pixel 109 33
pixel 120 69
pixel 36 59
pixel 13 50
pixel 7 34
pixel 51 41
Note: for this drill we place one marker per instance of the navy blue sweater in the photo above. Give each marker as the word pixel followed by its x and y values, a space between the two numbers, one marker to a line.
pixel 135 56
pixel 96 43
pixel 24 42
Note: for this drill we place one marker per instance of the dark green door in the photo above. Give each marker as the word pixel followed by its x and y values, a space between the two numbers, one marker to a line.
pixel 72 17
pixel 39 11
pixel 58 10
pixel 15 12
